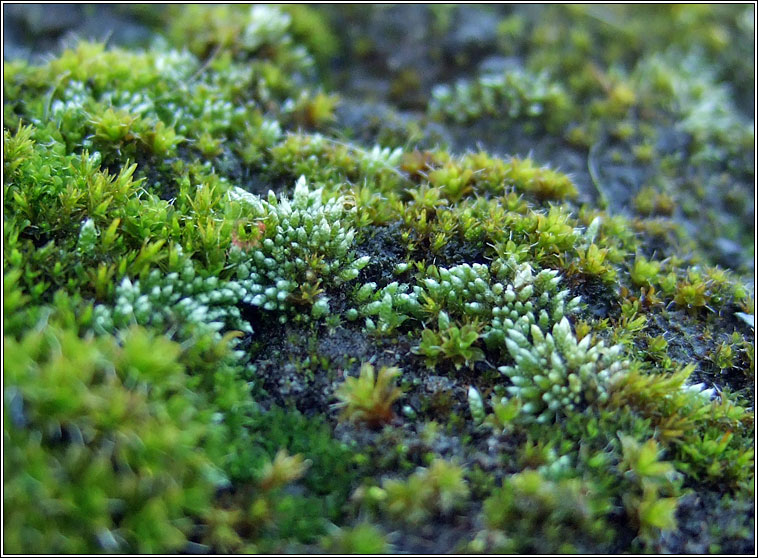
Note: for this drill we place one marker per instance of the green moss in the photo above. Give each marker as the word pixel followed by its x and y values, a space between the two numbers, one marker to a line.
pixel 361 539
pixel 99 447
pixel 193 244
pixel 439 489
pixel 532 514
pixel 369 398
pixel 450 343
pixel 517 94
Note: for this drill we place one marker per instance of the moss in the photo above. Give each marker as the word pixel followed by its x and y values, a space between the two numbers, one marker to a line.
pixel 571 518
pixel 361 539
pixel 95 446
pixel 370 397
pixel 438 489
pixel 541 344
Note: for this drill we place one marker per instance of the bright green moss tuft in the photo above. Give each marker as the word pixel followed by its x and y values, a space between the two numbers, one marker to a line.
pixel 361 539
pixel 369 398
pixel 92 448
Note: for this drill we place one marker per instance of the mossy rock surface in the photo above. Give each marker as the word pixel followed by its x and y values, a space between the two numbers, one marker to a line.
pixel 415 279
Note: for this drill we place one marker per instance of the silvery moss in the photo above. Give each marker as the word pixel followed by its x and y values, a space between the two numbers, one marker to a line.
pixel 306 247
pixel 504 296
pixel 514 93
pixel 555 375
pixel 183 303
pixel 705 107
pixel 487 300
pixel 514 512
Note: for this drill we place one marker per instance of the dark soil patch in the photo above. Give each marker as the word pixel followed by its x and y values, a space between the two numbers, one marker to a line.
pixel 383 244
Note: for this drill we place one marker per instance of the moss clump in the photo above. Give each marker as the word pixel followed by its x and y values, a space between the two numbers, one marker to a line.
pixel 102 441
pixel 439 489
pixel 514 513
pixel 202 269
pixel 305 244
pixel 370 397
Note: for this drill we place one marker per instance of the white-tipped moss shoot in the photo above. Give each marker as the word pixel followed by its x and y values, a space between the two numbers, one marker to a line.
pixel 180 302
pixel 306 247
pixel 555 375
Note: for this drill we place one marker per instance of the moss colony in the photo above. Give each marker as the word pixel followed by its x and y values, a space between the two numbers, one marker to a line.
pixel 495 296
